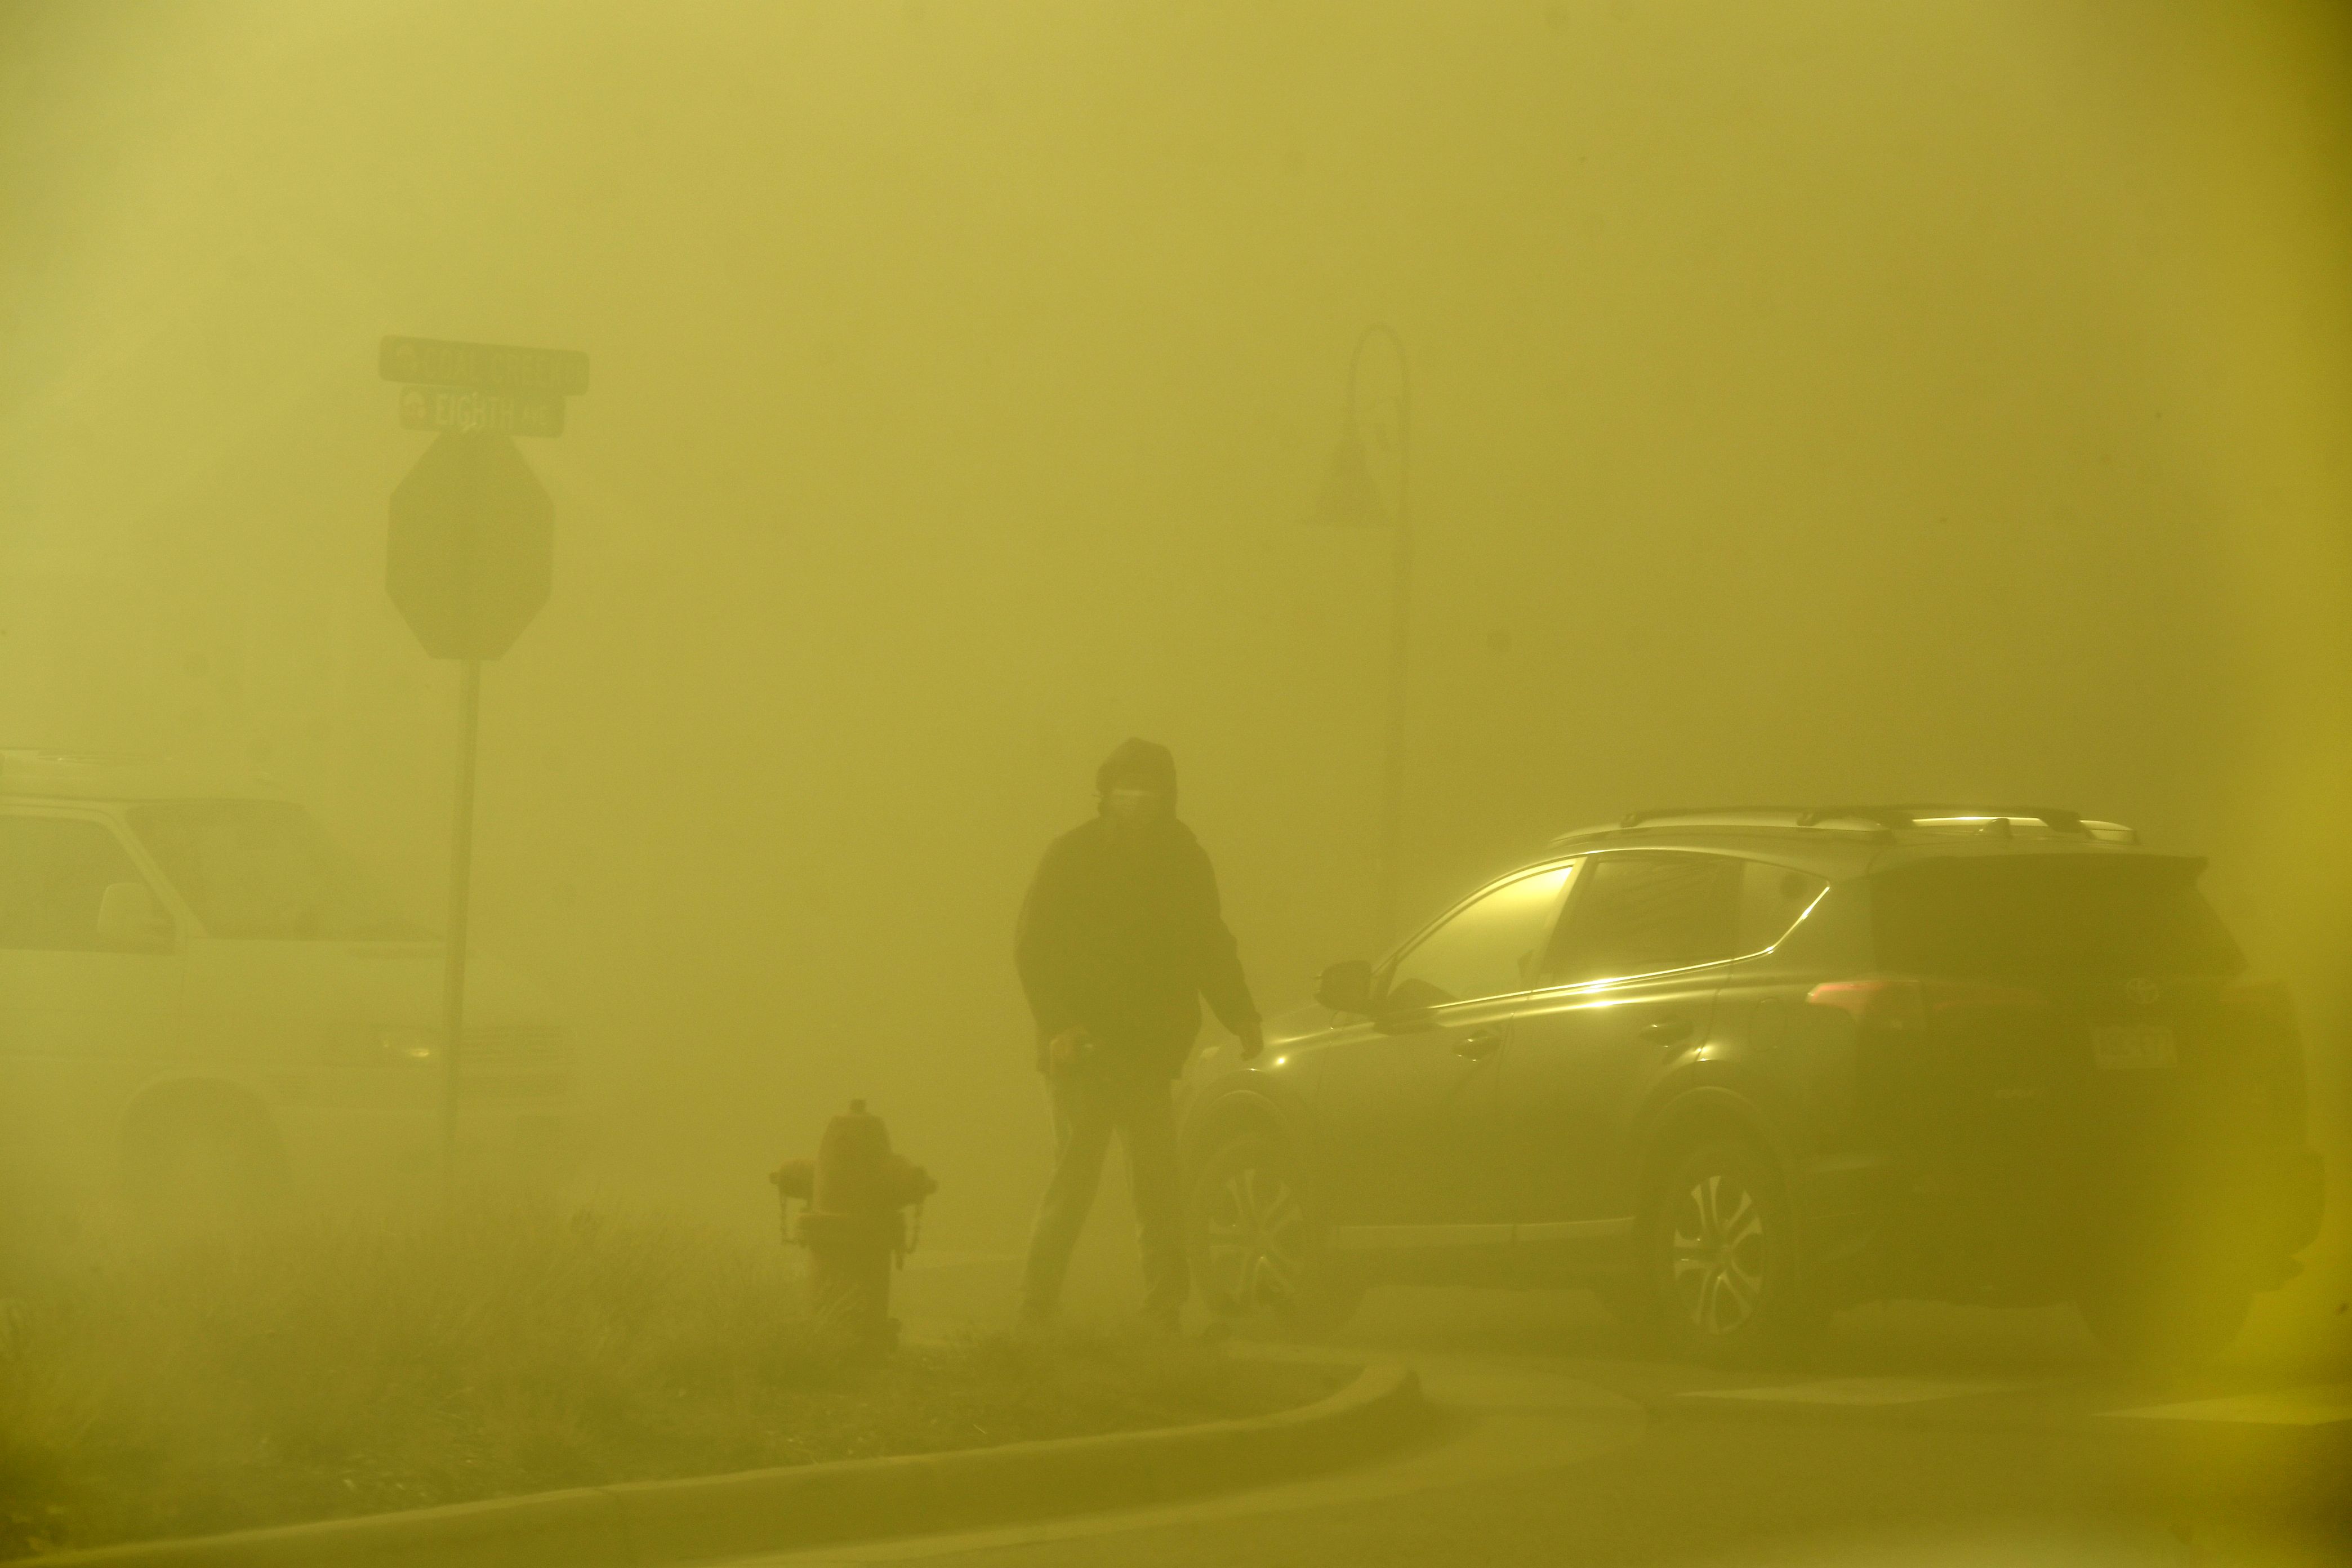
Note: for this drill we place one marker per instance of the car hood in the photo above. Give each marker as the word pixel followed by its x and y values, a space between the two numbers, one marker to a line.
pixel 399 985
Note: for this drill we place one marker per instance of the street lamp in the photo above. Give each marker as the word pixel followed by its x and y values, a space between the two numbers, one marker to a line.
pixel 1352 498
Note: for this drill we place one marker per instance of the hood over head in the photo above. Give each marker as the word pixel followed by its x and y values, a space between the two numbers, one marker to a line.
pixel 1138 761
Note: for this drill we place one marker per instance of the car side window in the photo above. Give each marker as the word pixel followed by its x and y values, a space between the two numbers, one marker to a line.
pixel 54 873
pixel 1772 900
pixel 1644 913
pixel 1488 947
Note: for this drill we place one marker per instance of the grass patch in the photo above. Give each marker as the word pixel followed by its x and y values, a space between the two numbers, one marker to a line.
pixel 348 1368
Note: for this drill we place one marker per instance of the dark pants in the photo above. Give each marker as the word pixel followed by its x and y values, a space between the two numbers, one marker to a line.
pixel 1088 1109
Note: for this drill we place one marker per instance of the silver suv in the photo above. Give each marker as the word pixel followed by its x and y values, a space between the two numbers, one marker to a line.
pixel 1735 1069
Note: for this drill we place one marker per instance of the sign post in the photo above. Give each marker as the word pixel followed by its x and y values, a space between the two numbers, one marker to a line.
pixel 461 887
pixel 468 560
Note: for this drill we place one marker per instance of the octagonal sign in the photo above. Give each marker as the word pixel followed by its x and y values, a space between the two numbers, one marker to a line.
pixel 471 549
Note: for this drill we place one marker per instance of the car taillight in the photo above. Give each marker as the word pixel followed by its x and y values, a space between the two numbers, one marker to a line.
pixel 1879 1003
pixel 1914 1004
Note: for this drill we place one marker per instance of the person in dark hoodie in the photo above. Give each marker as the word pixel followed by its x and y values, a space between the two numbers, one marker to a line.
pixel 1120 938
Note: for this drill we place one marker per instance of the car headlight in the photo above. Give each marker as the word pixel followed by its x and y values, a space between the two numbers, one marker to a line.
pixel 410 1044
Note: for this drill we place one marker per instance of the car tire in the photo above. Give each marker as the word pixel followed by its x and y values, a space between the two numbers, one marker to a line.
pixel 1720 1256
pixel 201 1176
pixel 1257 1252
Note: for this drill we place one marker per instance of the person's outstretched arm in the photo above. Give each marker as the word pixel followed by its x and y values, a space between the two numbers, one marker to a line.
pixel 1220 979
pixel 1041 948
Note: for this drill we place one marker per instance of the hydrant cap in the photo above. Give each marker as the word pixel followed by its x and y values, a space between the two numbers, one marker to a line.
pixel 850 1159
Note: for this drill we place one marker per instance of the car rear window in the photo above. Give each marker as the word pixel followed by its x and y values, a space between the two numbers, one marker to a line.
pixel 2013 917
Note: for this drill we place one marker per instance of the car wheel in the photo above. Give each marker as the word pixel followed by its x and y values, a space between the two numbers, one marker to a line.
pixel 1720 1257
pixel 1256 1250
pixel 201 1177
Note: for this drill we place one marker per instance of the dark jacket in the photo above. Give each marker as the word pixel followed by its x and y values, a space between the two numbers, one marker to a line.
pixel 1122 933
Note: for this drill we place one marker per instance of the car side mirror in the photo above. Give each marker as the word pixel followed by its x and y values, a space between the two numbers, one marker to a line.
pixel 130 921
pixel 1346 987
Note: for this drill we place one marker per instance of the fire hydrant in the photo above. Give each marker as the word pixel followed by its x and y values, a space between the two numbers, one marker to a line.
pixel 854 1228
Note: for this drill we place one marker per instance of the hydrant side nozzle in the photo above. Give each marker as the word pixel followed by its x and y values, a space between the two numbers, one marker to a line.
pixel 908 1182
pixel 795 1179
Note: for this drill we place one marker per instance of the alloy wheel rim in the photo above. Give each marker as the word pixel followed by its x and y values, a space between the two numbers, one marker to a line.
pixel 1718 1251
pixel 1256 1239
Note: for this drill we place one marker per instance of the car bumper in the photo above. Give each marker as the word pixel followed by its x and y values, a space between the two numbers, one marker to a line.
pixel 1871 1216
pixel 2292 1195
pixel 353 1148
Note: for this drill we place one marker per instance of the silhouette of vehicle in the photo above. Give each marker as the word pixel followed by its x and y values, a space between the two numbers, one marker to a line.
pixel 1736 1068
pixel 204 1006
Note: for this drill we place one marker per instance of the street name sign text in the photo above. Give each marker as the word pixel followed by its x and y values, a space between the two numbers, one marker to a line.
pixel 466 408
pixel 490 367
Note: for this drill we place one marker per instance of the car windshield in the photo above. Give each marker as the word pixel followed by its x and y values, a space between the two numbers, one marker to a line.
pixel 2046 916
pixel 263 869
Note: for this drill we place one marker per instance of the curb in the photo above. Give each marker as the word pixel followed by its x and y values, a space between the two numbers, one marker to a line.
pixel 644 1524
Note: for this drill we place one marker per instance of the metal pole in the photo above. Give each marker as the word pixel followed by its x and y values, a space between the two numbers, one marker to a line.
pixel 461 872
pixel 1400 628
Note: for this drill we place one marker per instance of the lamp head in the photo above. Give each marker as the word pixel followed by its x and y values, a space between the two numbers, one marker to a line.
pixel 1350 497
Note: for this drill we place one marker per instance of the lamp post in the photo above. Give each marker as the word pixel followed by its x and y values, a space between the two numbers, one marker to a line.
pixel 1352 498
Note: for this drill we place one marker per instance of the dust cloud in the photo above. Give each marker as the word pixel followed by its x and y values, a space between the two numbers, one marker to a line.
pixel 1815 402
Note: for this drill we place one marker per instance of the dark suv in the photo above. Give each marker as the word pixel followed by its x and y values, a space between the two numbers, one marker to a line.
pixel 1733 1069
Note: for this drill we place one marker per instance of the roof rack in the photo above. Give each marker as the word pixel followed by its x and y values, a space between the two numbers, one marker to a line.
pixel 1995 820
pixel 1940 814
pixel 1801 815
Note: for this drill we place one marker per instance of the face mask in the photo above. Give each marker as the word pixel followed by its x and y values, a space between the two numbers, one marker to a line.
pixel 1134 806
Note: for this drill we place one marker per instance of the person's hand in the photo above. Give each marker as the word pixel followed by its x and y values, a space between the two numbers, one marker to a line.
pixel 1071 1044
pixel 1252 1036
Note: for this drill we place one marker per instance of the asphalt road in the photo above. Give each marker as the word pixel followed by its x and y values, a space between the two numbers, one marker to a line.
pixel 1916 1436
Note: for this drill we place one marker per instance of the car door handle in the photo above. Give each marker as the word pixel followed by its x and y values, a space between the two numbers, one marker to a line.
pixel 1666 1031
pixel 1479 1044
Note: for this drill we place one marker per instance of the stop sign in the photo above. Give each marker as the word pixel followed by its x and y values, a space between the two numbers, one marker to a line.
pixel 471 547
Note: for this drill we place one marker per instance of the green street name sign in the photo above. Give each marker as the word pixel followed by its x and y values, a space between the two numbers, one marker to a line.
pixel 464 408
pixel 487 367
